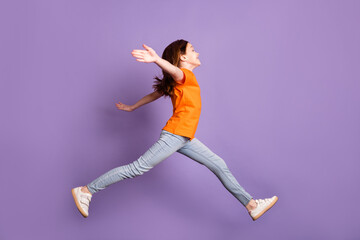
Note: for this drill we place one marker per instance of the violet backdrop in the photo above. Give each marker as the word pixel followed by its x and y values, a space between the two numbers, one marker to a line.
pixel 280 104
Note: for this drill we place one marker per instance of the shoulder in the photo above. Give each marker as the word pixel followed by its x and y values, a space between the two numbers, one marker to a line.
pixel 187 75
pixel 187 71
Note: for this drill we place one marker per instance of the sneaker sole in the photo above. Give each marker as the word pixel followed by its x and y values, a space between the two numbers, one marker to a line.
pixel 264 211
pixel 77 204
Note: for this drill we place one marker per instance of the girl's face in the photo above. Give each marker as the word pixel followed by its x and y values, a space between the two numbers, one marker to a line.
pixel 190 56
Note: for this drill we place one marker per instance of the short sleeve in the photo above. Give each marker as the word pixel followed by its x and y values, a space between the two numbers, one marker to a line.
pixel 186 75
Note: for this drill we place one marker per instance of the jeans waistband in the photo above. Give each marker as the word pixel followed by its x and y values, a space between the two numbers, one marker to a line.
pixel 175 134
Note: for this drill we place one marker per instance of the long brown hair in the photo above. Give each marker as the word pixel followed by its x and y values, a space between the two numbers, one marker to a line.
pixel 172 54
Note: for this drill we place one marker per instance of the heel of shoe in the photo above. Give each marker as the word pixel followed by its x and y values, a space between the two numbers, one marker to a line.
pixel 73 192
pixel 265 210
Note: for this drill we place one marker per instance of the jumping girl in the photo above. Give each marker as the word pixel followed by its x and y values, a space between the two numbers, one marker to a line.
pixel 178 61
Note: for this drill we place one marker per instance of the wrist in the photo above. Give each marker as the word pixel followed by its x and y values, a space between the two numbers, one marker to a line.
pixel 157 60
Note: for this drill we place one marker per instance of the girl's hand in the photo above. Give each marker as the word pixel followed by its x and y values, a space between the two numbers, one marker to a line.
pixel 124 107
pixel 147 56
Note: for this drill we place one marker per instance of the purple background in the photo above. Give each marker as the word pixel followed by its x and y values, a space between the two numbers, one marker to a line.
pixel 280 93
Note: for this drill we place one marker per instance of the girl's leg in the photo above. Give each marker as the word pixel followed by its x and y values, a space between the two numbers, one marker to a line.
pixel 197 151
pixel 167 144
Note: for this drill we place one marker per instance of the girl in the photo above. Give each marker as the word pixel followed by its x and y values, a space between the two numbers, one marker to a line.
pixel 178 61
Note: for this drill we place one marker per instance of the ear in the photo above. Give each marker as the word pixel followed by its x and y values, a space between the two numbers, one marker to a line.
pixel 183 57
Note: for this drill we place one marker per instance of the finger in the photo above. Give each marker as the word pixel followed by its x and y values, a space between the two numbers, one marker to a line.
pixel 146 47
pixel 138 55
pixel 139 51
pixel 140 60
pixel 142 50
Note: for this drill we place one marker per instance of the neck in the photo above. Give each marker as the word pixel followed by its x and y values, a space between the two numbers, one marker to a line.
pixel 188 66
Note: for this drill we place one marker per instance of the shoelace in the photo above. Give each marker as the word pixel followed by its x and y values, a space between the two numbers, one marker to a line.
pixel 85 200
pixel 262 201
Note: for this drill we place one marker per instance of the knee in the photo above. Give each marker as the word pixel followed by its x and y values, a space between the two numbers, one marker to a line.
pixel 220 165
pixel 220 162
pixel 221 169
pixel 138 167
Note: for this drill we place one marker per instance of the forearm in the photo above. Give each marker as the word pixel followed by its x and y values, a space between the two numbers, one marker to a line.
pixel 145 100
pixel 174 71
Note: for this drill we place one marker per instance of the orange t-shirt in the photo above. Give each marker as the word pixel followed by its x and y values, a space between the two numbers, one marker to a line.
pixel 186 102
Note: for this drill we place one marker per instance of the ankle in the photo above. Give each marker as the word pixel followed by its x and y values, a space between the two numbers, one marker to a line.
pixel 251 205
pixel 85 190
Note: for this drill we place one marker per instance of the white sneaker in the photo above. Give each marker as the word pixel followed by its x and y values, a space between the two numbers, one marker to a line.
pixel 82 200
pixel 262 206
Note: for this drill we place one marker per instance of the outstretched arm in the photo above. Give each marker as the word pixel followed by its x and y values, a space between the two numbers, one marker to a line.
pixel 149 55
pixel 148 98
